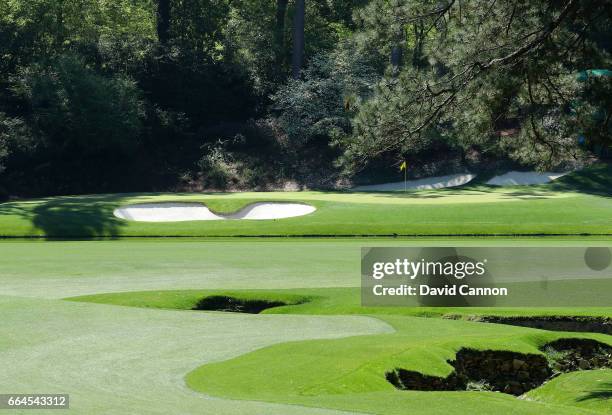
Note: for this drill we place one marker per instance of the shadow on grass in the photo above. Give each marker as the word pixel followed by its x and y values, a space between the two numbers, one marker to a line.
pixel 604 392
pixel 530 194
pixel 70 216
pixel 596 180
pixel 519 192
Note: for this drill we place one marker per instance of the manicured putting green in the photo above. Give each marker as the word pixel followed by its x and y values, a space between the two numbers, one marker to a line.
pixel 578 203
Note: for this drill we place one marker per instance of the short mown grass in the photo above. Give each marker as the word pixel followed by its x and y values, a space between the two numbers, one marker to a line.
pixel 591 389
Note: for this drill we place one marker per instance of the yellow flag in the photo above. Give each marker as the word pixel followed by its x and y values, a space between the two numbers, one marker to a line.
pixel 403 166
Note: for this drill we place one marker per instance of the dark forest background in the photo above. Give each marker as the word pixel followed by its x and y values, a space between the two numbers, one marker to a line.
pixel 151 95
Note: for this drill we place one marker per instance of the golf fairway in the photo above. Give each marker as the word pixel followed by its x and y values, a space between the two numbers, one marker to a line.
pixel 131 356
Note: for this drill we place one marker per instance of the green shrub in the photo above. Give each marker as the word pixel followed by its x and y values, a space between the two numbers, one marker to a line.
pixel 218 169
pixel 79 110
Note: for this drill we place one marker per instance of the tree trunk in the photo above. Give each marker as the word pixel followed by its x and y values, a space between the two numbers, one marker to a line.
pixel 397 52
pixel 298 39
pixel 60 32
pixel 417 52
pixel 163 21
pixel 279 33
pixel 396 57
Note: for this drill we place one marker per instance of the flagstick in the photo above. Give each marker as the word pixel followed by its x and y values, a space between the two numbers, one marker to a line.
pixel 405 169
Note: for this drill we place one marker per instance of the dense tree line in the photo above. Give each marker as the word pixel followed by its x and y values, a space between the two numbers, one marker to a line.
pixel 511 79
pixel 135 95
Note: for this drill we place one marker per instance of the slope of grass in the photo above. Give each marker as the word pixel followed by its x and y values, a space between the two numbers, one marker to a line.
pixel 323 301
pixel 312 372
pixel 188 299
pixel 596 179
pixel 591 389
pixel 580 204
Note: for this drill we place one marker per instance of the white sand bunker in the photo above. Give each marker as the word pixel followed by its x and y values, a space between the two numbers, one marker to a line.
pixel 439 182
pixel 179 212
pixel 513 178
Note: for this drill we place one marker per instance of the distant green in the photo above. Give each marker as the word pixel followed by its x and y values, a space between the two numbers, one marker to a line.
pixel 579 203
